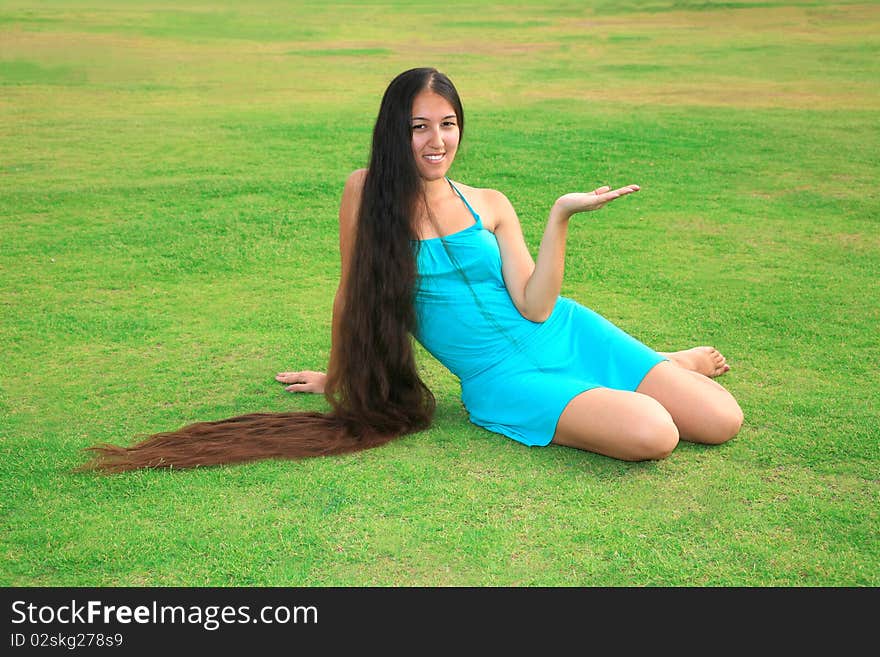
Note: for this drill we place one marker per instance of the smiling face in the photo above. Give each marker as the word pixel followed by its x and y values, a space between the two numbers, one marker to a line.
pixel 435 134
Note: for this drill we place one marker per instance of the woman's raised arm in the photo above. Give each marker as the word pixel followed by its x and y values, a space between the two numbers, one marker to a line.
pixel 534 285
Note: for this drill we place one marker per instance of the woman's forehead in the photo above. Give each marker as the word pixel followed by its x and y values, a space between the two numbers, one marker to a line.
pixel 428 104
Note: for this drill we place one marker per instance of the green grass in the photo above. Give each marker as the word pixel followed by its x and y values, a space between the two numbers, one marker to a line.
pixel 169 181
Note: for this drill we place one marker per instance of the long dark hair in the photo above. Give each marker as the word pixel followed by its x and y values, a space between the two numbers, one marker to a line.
pixel 373 386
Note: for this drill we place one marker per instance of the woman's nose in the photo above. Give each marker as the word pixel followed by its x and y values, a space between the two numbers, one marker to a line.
pixel 436 139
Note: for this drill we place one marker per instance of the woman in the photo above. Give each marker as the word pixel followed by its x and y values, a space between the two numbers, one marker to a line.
pixel 447 263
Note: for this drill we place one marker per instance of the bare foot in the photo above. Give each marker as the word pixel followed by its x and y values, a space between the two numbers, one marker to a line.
pixel 708 361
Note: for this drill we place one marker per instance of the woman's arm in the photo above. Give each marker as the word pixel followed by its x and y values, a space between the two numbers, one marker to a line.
pixel 533 285
pixel 309 380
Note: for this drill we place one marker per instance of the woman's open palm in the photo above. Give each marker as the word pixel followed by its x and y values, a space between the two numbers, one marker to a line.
pixel 587 201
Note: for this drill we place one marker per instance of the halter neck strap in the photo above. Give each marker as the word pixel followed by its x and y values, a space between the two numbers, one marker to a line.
pixel 461 196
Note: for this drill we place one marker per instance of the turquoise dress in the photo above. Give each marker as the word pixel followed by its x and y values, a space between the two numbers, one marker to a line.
pixel 517 376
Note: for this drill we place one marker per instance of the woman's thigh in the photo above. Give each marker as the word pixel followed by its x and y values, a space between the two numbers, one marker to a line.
pixel 624 425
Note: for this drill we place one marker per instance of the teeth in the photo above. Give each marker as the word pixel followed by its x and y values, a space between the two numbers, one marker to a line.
pixel 434 158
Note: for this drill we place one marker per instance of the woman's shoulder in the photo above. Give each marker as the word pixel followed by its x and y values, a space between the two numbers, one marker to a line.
pixel 354 187
pixel 482 195
pixel 351 200
pixel 356 179
pixel 491 204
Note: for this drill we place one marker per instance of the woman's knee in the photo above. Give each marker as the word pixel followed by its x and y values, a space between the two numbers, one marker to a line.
pixel 650 432
pixel 654 438
pixel 727 420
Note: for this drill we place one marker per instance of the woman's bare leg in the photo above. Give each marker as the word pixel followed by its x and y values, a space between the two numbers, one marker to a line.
pixel 671 402
pixel 630 426
pixel 703 411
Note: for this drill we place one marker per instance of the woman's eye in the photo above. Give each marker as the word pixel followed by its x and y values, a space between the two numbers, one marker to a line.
pixel 418 126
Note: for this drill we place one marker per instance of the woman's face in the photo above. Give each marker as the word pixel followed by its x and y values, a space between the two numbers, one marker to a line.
pixel 435 134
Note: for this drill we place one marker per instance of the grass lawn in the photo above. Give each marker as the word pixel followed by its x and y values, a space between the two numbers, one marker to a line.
pixel 169 181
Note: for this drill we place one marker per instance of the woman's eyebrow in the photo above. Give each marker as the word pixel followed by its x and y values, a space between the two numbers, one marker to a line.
pixel 425 118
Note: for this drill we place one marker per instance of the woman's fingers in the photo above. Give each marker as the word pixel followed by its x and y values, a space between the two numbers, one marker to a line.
pixel 607 196
pixel 605 193
pixel 305 376
pixel 620 191
pixel 302 387
pixel 288 377
pixel 305 381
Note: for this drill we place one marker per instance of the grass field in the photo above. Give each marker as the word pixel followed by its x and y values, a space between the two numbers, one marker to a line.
pixel 169 181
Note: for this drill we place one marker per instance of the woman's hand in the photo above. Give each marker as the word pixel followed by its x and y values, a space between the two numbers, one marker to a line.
pixel 305 381
pixel 570 204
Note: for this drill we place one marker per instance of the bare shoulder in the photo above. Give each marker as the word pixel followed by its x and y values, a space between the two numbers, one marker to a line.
pixel 355 181
pixel 351 194
pixel 492 205
pixel 481 194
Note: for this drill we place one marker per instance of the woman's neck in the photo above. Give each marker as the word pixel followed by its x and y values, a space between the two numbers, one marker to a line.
pixel 435 191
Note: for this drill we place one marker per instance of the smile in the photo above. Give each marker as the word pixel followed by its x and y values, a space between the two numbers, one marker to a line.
pixel 435 158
